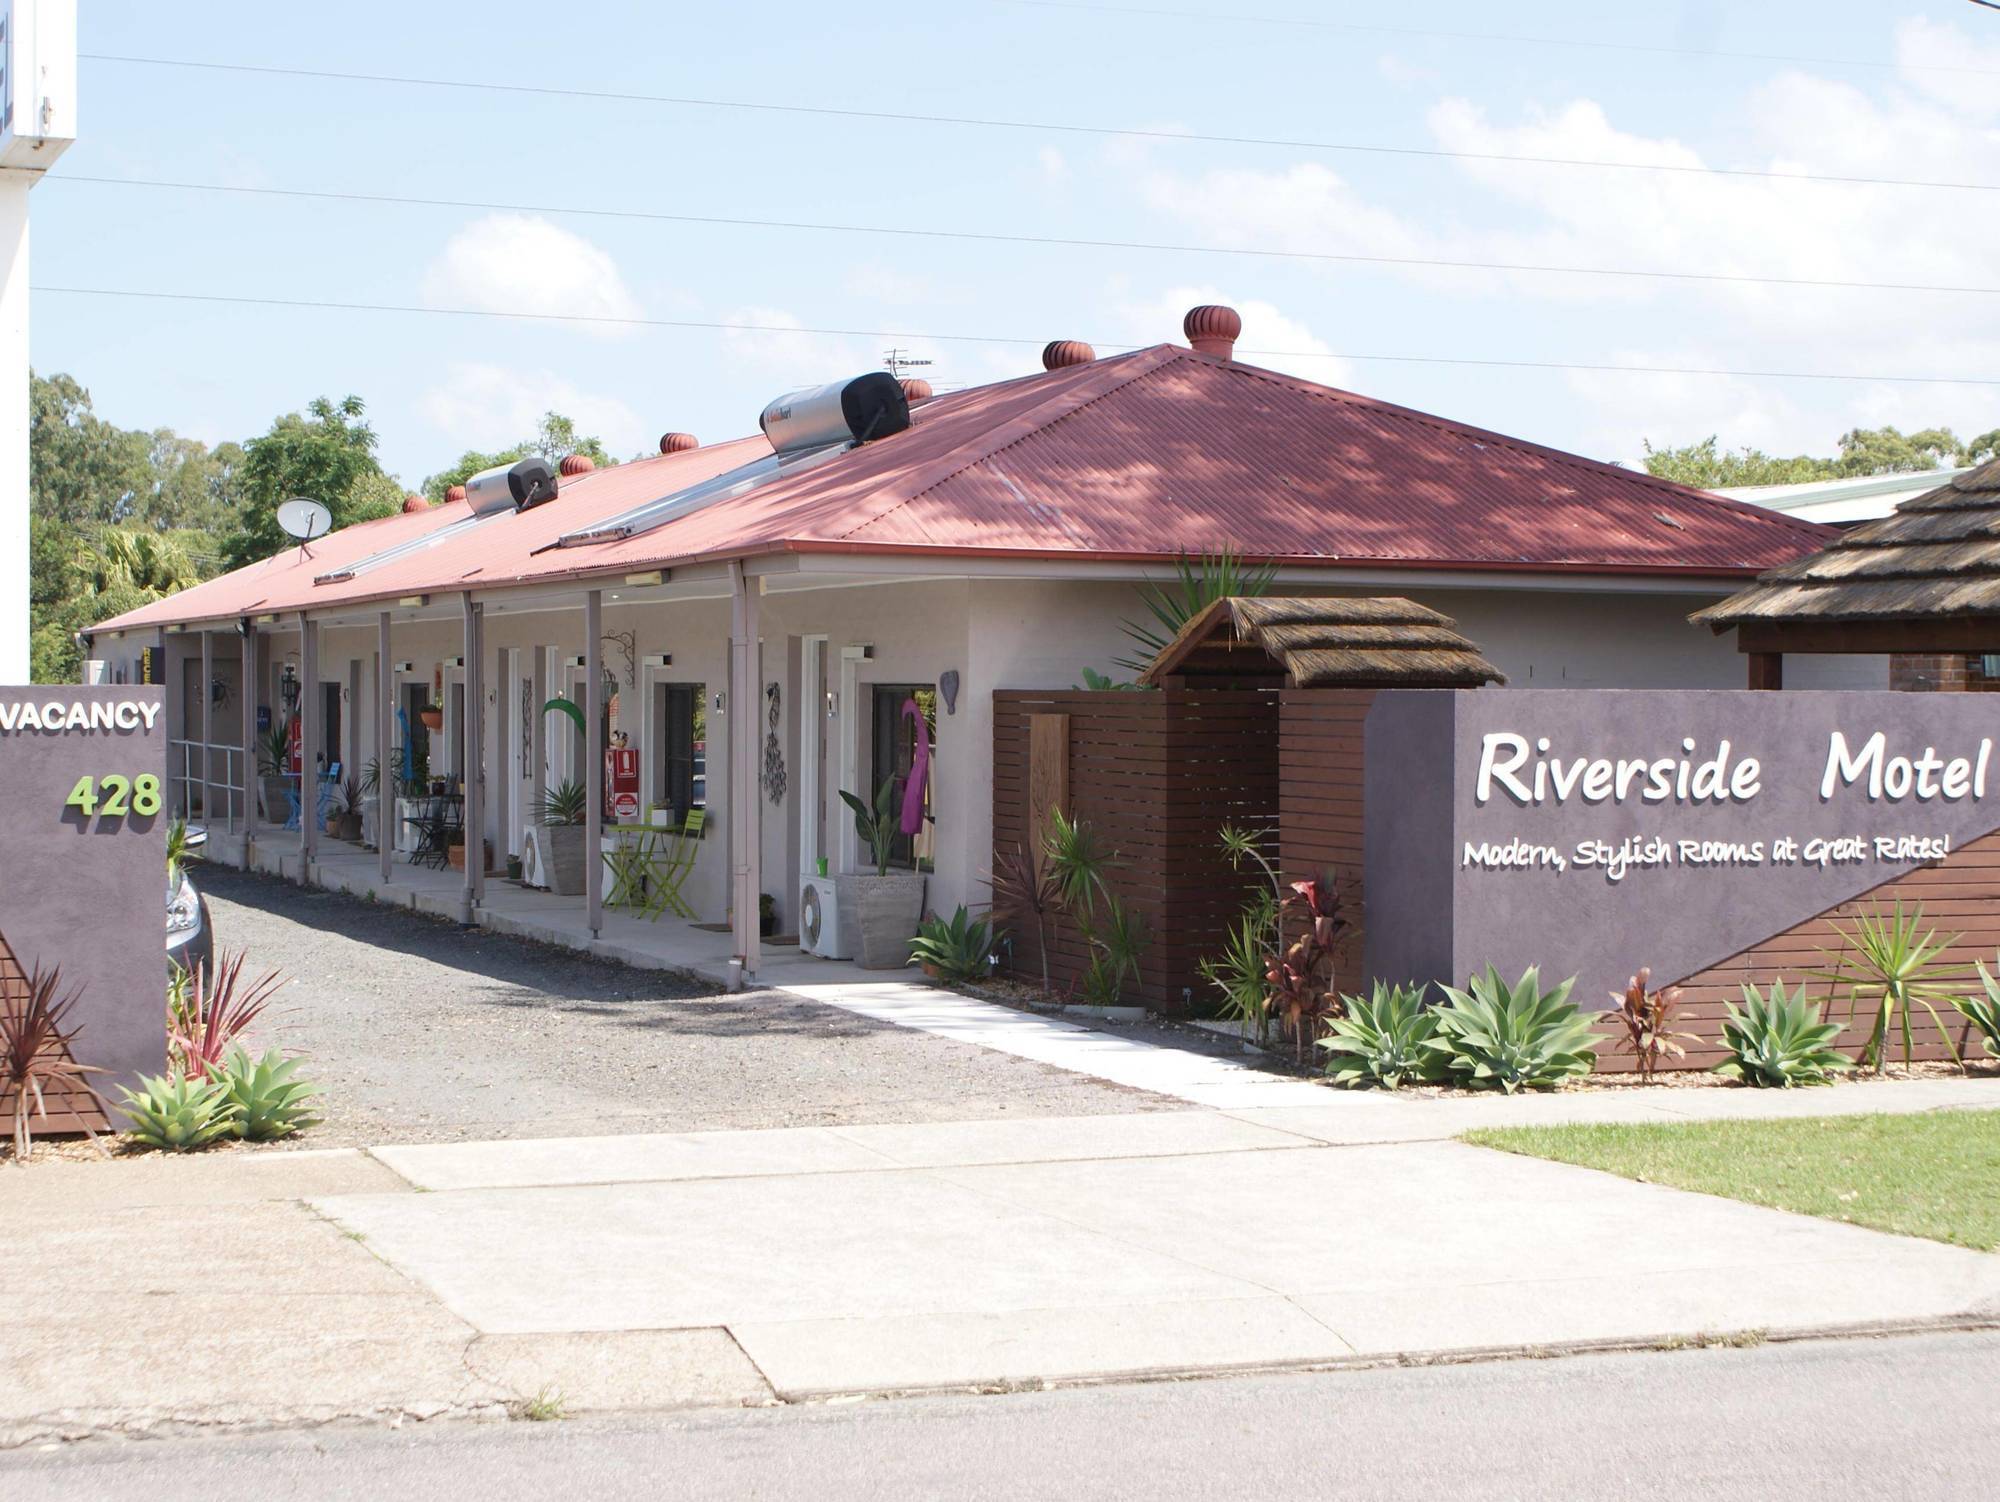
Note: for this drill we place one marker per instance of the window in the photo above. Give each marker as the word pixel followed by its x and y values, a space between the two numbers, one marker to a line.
pixel 895 751
pixel 680 736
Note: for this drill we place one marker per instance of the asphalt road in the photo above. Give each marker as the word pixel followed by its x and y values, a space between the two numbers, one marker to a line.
pixel 1884 1419
pixel 422 1031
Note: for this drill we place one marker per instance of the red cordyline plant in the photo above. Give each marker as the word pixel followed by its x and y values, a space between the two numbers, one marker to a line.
pixel 1648 1018
pixel 203 1021
pixel 1301 976
pixel 35 1053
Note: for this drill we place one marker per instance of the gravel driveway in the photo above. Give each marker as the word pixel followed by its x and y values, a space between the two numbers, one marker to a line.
pixel 422 1031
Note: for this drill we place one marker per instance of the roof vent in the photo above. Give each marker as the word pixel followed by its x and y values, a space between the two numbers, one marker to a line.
pixel 576 464
pixel 511 487
pixel 1060 352
pixel 1212 329
pixel 416 503
pixel 857 411
pixel 916 389
pixel 456 493
pixel 678 443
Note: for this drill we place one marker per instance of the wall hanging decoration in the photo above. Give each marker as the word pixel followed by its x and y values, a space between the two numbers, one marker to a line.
pixel 948 689
pixel 774 753
pixel 527 726
pixel 627 643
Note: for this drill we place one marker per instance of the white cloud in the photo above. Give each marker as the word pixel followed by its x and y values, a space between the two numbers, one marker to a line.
pixel 522 263
pixel 882 282
pixel 1945 63
pixel 1270 338
pixel 482 406
pixel 757 343
pixel 1055 167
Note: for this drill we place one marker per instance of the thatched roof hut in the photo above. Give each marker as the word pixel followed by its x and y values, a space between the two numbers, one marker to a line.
pixel 1378 641
pixel 1924 580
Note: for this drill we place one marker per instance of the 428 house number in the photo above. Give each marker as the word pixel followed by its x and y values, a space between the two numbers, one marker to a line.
pixel 113 796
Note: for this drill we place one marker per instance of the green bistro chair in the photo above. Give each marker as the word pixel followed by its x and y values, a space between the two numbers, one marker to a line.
pixel 630 862
pixel 670 873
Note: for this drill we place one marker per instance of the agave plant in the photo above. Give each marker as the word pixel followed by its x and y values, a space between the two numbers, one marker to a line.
pixel 203 1021
pixel 957 950
pixel 1648 1018
pixel 177 1112
pixel 1898 965
pixel 1983 1012
pixel 1197 584
pixel 565 803
pixel 36 1053
pixel 1384 1038
pixel 1501 1037
pixel 264 1098
pixel 1778 1040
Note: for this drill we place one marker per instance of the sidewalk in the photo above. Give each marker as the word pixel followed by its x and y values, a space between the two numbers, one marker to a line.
pixel 702 1269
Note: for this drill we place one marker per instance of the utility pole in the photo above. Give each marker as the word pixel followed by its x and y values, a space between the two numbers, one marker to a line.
pixel 37 123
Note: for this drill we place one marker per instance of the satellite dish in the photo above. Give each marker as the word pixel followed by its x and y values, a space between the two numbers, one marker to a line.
pixel 304 520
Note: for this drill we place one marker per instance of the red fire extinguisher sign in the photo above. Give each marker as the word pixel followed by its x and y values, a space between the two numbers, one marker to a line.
pixel 621 783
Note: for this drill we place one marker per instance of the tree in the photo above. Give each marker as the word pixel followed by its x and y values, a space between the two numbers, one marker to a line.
pixel 1863 451
pixel 1706 467
pixel 83 469
pixel 554 441
pixel 326 455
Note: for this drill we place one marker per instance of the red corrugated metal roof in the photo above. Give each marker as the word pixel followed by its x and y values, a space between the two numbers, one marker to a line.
pixel 1146 455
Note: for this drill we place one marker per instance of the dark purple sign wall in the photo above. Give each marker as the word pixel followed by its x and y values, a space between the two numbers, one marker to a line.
pixel 83 862
pixel 1591 832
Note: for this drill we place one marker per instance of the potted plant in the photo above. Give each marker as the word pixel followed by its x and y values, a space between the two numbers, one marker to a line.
pixel 345 823
pixel 886 906
pixel 560 838
pixel 432 714
pixel 767 914
pixel 274 754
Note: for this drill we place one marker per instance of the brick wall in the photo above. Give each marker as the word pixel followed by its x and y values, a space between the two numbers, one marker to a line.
pixel 1940 672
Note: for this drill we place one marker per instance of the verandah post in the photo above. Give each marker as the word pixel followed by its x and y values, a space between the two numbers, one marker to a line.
pixel 593 760
pixel 385 777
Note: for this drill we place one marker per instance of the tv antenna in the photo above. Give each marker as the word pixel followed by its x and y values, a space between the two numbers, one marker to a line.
pixel 896 361
pixel 304 520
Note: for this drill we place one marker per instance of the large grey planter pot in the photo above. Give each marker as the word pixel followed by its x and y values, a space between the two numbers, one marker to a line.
pixel 884 912
pixel 564 866
pixel 277 802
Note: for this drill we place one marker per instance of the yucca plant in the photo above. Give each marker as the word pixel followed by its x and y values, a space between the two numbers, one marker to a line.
pixel 565 803
pixel 36 1053
pixel 958 949
pixel 1116 938
pixel 1197 584
pixel 1239 971
pixel 176 1112
pixel 1648 1018
pixel 1519 1037
pixel 1983 1012
pixel 203 1021
pixel 1384 1038
pixel 267 1101
pixel 1890 960
pixel 1777 1041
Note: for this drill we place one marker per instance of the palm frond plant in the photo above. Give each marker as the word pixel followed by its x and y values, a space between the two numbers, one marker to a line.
pixel 1505 1037
pixel 274 750
pixel 1983 1012
pixel 1647 1017
pixel 1891 961
pixel 1778 1041
pixel 1239 972
pixel 212 1017
pixel 1384 1039
pixel 877 826
pixel 1116 938
pixel 37 1053
pixel 179 851
pixel 1197 584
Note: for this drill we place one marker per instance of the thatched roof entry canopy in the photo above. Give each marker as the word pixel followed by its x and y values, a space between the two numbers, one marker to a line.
pixel 1376 641
pixel 1934 563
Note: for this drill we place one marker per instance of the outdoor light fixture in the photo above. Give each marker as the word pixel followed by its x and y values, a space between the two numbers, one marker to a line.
pixel 659 659
pixel 405 667
pixel 454 662
pixel 244 626
pixel 288 687
pixel 578 661
pixel 832 705
pixel 649 576
pixel 414 602
pixel 267 620
pixel 721 699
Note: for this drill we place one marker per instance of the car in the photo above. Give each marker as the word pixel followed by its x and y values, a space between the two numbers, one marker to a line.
pixel 190 939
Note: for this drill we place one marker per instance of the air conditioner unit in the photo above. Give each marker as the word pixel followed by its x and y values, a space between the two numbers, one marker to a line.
pixel 819 919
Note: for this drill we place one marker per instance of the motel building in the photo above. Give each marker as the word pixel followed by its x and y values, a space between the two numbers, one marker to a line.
pixel 759 623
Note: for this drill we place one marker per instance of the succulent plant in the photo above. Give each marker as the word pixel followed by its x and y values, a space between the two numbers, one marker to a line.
pixel 959 949
pixel 1778 1041
pixel 1384 1038
pixel 175 1113
pixel 1983 1012
pixel 1502 1037
pixel 269 1101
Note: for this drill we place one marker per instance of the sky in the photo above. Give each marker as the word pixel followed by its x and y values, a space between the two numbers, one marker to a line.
pixel 1842 89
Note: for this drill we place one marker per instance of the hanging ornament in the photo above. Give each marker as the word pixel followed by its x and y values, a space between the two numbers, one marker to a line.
pixel 774 754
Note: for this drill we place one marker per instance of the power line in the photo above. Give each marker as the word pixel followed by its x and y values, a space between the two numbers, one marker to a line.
pixel 1049 126
pixel 906 336
pixel 1652 49
pixel 1437 263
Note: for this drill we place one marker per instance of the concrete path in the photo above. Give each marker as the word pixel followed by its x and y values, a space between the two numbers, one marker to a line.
pixel 891 1258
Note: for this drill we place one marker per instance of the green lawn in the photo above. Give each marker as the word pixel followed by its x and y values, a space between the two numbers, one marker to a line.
pixel 1935 1175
